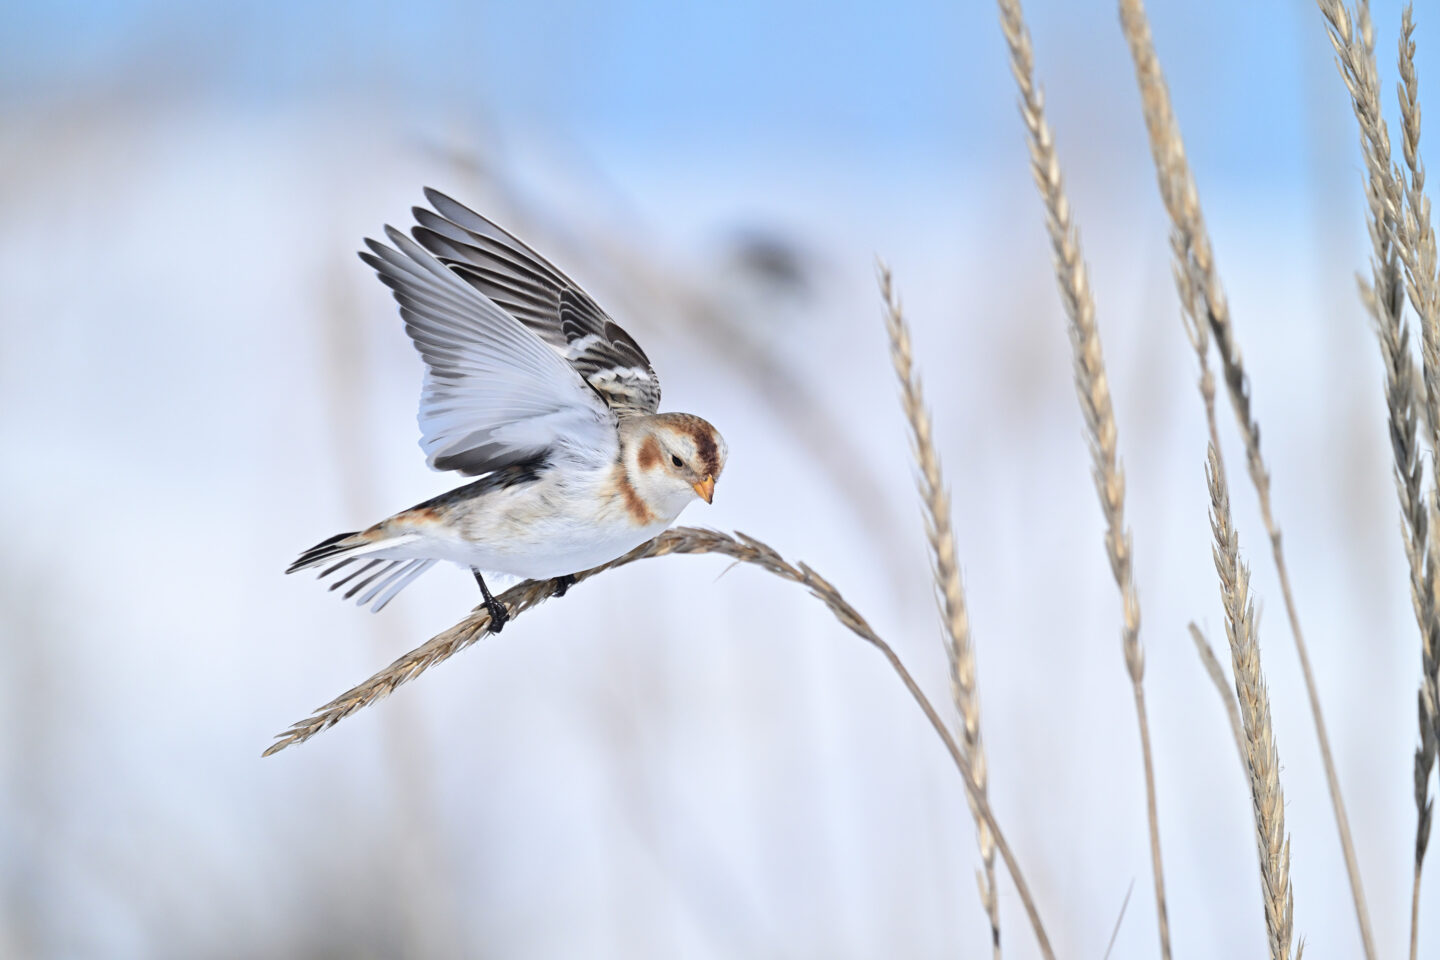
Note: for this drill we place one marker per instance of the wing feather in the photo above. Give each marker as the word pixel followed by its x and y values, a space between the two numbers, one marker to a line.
pixel 495 394
pixel 548 303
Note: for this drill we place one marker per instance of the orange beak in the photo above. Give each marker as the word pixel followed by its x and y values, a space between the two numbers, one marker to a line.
pixel 706 489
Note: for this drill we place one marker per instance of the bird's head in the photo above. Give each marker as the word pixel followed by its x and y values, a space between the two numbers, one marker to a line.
pixel 675 458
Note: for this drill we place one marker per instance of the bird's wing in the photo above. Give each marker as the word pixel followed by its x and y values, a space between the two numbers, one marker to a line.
pixel 529 288
pixel 495 394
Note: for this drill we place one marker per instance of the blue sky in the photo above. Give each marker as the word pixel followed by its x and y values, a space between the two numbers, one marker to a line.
pixel 830 79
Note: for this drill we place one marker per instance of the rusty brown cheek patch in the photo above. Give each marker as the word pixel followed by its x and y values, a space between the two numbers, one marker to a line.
pixel 706 450
pixel 649 456
pixel 636 507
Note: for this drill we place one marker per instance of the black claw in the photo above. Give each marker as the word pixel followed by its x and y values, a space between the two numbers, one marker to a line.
pixel 563 584
pixel 499 616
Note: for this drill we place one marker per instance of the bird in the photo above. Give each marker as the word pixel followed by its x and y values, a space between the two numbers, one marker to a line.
pixel 531 388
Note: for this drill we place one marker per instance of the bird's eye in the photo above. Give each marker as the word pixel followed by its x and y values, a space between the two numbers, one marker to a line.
pixel 676 460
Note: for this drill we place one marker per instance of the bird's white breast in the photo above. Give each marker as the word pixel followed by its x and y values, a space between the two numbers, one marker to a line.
pixel 568 520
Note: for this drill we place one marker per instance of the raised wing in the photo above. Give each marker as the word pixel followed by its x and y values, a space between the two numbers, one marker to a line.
pixel 529 288
pixel 495 394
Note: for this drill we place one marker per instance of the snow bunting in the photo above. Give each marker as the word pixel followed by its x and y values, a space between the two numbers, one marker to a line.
pixel 530 386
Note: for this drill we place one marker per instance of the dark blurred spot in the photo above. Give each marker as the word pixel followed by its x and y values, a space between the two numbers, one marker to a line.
pixel 772 261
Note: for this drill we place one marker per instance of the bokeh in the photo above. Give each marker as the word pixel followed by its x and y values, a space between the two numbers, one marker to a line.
pixel 198 379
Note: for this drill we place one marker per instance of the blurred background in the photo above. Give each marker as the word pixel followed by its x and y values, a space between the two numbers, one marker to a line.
pixel 198 379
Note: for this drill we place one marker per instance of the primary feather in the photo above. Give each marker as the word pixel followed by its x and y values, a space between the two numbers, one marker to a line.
pixel 535 292
pixel 495 394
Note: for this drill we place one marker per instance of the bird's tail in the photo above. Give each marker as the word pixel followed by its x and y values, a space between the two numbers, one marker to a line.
pixel 372 565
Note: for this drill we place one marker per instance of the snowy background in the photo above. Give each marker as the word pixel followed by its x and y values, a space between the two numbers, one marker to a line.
pixel 198 379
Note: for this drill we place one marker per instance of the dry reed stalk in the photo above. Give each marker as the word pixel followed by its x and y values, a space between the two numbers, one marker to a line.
pixel 1262 761
pixel 1415 243
pixel 1398 218
pixel 1416 235
pixel 1246 726
pixel 1217 676
pixel 1094 394
pixel 678 540
pixel 1115 931
pixel 1385 196
pixel 946 569
pixel 1203 297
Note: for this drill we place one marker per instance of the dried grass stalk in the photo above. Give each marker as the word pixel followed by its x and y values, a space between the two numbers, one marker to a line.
pixel 1241 725
pixel 1398 218
pixel 1093 390
pixel 1119 919
pixel 679 540
pixel 1416 232
pixel 1217 676
pixel 1415 243
pixel 1414 235
pixel 1203 299
pixel 1262 761
pixel 941 533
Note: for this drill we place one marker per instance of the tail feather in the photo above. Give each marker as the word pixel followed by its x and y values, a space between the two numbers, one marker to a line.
pixel 379 570
pixel 388 566
pixel 353 574
pixel 337 545
pixel 327 572
pixel 401 581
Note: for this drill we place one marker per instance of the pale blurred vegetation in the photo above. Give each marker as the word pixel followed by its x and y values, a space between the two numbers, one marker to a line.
pixel 198 378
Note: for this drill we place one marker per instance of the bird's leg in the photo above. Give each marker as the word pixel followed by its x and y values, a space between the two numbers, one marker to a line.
pixel 563 584
pixel 498 614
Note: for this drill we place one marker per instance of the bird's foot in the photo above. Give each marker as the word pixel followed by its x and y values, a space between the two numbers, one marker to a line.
pixel 499 616
pixel 563 584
